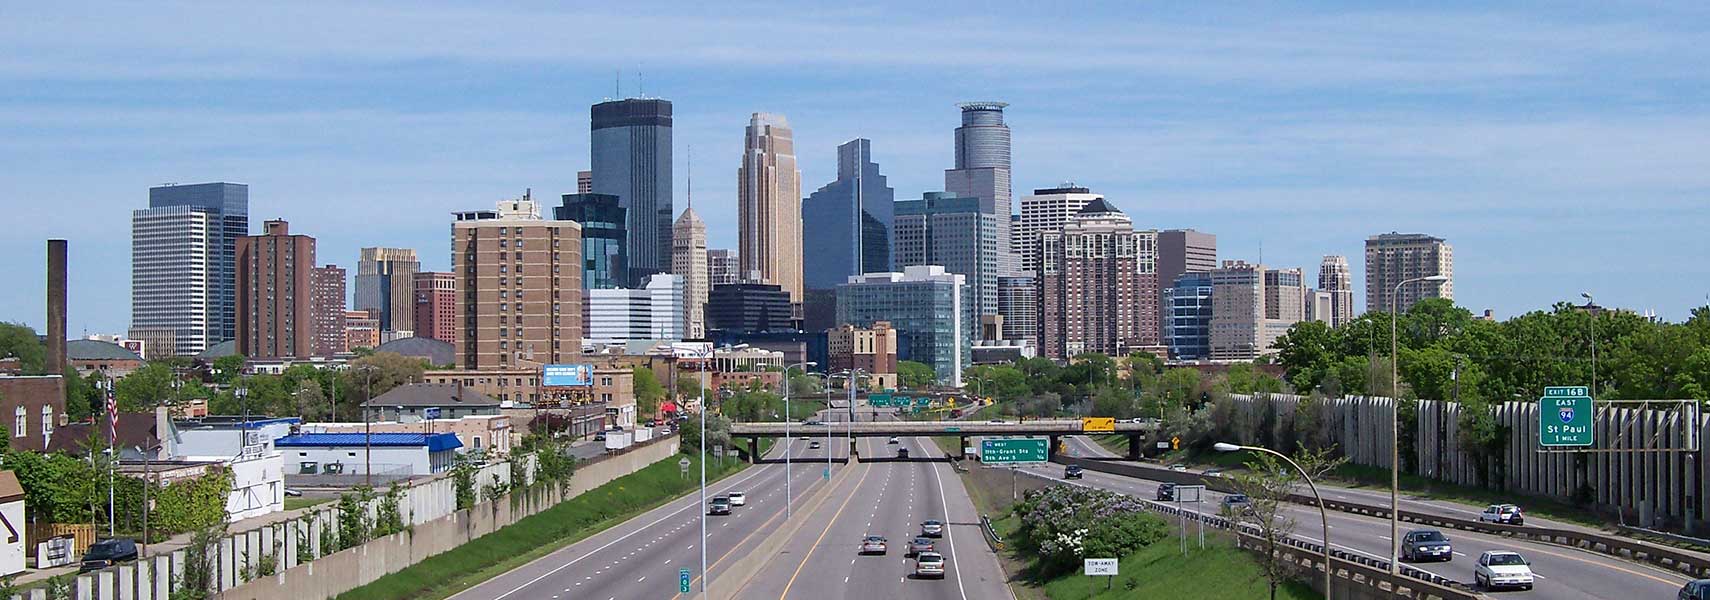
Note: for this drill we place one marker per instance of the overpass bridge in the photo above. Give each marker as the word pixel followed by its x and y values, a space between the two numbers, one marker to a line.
pixel 1052 428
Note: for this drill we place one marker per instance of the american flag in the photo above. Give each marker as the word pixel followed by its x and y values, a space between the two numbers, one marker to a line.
pixel 112 418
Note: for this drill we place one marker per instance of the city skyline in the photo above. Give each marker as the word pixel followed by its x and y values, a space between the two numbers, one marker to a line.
pixel 1476 148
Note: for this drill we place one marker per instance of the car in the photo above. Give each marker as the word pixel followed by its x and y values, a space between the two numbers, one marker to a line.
pixel 813 445
pixel 1237 504
pixel 812 422
pixel 893 440
pixel 997 422
pixel 1072 472
pixel 108 552
pixel 902 452
pixel 919 545
pixel 600 437
pixel 1214 473
pixel 1506 514
pixel 932 528
pixel 874 544
pixel 929 565
pixel 1502 569
pixel 1426 544
pixel 719 505
pixel 1697 589
pixel 738 499
pixel 1166 492
pixel 1178 467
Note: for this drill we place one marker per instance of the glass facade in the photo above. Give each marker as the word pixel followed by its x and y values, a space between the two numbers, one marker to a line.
pixel 846 219
pixel 225 206
pixel 952 232
pixel 604 261
pixel 630 152
pixel 1188 317
pixel 928 307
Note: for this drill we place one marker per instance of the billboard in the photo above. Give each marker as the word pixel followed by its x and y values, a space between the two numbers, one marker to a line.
pixel 567 376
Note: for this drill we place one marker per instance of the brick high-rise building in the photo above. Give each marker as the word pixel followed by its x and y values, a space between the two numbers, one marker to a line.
pixel 1098 286
pixel 769 205
pixel 1047 209
pixel 362 328
pixel 326 308
pixel 1393 258
pixel 274 316
pixel 519 287
pixel 436 306
pixel 871 349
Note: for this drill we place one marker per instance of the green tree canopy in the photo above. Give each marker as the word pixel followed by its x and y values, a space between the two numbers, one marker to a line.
pixel 915 375
pixel 20 341
pixel 648 392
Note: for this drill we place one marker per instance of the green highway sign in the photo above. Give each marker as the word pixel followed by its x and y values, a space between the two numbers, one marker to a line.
pixel 923 401
pixel 879 399
pixel 952 429
pixel 1014 450
pixel 1564 417
pixel 682 581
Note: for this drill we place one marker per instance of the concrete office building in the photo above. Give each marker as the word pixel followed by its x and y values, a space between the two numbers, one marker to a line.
pixel 604 259
pixel 436 306
pixel 722 267
pixel 1285 295
pixel 275 290
pixel 1321 307
pixel 747 307
pixel 846 224
pixel 1184 251
pixel 1048 209
pixel 955 233
pixel 184 265
pixel 982 171
pixel 584 182
pixel 769 205
pixel 385 281
pixel 1097 285
pixel 326 311
pixel 927 306
pixel 654 312
pixel 630 148
pixel 689 260
pixel 1188 316
pixel 1251 308
pixel 1334 279
pixel 1392 258
pixel 519 287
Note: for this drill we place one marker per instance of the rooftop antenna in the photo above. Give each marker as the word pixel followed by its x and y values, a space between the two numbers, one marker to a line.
pixel 692 182
pixel 640 90
pixel 617 85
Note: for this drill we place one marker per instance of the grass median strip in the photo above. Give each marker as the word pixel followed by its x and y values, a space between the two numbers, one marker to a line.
pixel 573 520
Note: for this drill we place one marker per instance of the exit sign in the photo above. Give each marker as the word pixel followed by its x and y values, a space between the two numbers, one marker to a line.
pixel 1564 417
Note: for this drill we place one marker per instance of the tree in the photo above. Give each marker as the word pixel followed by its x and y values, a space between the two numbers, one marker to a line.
pixel 648 392
pixel 1306 351
pixel 19 340
pixel 718 434
pixel 688 386
pixel 228 368
pixel 146 388
pixel 915 375
pixel 803 385
pixel 382 370
pixel 1268 483
pixel 82 396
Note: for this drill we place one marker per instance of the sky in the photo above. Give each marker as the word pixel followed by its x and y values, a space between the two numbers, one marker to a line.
pixel 1560 147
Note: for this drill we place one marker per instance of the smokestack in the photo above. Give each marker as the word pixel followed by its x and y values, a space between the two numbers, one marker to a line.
pixel 55 363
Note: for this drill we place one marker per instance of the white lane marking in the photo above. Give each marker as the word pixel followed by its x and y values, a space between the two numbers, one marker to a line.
pixel 948 541
pixel 643 578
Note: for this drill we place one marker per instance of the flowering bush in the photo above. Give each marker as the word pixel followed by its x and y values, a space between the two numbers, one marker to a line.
pixel 1063 524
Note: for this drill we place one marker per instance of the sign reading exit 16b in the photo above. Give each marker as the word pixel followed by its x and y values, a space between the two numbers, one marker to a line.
pixel 1564 417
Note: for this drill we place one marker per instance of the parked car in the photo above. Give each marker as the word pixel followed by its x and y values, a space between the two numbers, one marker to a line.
pixel 1237 504
pixel 929 565
pixel 108 552
pixel 1500 568
pixel 738 499
pixel 932 528
pixel 1072 472
pixel 600 437
pixel 1426 544
pixel 1698 589
pixel 919 545
pixel 873 544
pixel 719 505
pixel 1166 492
pixel 1507 514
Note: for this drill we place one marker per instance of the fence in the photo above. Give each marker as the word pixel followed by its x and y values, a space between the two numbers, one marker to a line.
pixel 82 534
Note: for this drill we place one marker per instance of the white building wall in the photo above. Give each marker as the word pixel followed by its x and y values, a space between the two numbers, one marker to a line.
pixel 12 553
pixel 410 460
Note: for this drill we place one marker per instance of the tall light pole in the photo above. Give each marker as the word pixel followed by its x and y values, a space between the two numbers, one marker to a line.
pixel 1591 308
pixel 1395 430
pixel 1322 517
pixel 789 497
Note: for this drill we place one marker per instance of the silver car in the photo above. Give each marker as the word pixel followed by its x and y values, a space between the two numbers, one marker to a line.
pixel 932 528
pixel 929 565
pixel 874 544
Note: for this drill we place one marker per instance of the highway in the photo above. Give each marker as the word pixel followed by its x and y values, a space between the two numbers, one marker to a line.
pixel 1561 572
pixel 640 558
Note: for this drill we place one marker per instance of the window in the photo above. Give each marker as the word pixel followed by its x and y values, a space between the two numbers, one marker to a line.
pixel 21 422
pixel 47 421
pixel 477 442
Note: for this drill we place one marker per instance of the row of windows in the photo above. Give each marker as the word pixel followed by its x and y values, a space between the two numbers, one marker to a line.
pixel 21 421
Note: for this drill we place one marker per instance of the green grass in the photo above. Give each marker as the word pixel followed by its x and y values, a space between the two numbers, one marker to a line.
pixel 570 521
pixel 301 502
pixel 1219 572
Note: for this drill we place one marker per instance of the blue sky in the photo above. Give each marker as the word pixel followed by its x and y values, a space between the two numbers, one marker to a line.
pixel 1561 147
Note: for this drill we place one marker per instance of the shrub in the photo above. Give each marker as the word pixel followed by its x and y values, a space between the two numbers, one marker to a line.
pixel 1063 524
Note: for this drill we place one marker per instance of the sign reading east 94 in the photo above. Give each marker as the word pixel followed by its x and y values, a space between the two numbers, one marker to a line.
pixel 1564 417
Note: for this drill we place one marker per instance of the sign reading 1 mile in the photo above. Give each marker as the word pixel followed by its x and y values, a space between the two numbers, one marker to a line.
pixel 1564 417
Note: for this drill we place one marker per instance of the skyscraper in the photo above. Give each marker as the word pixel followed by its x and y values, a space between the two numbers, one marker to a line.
pixel 385 281
pixel 630 148
pixel 436 306
pixel 952 232
pixel 769 205
pixel 326 308
pixel 846 224
pixel 1097 285
pixel 689 259
pixel 184 263
pixel 274 293
pixel 1334 279
pixel 1188 316
pixel 519 287
pixel 1251 307
pixel 1046 210
pixel 1184 251
pixel 1393 258
pixel 584 182
pixel 928 308
pixel 1285 295
pixel 722 267
pixel 1018 304
pixel 653 312
pixel 982 171
pixel 604 258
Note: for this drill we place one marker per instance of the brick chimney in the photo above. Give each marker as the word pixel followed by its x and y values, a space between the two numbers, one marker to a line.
pixel 55 362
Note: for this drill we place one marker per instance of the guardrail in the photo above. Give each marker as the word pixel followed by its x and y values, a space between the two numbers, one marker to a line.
pixel 1681 561
pixel 990 534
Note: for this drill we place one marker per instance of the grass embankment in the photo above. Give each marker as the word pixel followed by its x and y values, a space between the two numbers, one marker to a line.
pixel 301 502
pixel 1219 572
pixel 535 536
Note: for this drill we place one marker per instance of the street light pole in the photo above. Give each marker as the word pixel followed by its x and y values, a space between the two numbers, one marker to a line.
pixel 1322 517
pixel 707 362
pixel 1395 431
pixel 1591 308
pixel 789 497
pixel 368 429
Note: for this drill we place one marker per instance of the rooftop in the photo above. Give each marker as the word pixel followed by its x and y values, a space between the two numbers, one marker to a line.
pixel 98 350
pixel 435 442
pixel 432 394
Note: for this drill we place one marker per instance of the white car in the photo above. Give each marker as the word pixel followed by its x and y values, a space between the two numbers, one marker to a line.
pixel 1502 569
pixel 1507 514
pixel 929 565
pixel 738 499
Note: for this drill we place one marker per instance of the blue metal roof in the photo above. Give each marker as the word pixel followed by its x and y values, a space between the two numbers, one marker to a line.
pixel 435 442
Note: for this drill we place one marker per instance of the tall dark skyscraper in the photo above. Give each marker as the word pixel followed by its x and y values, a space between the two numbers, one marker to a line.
pixel 982 171
pixel 184 263
pixel 604 262
pixel 846 224
pixel 630 150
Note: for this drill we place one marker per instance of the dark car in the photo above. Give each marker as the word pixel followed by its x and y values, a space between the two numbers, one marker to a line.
pixel 1694 590
pixel 902 452
pixel 107 553
pixel 718 506
pixel 1072 472
pixel 1426 544
pixel 1166 492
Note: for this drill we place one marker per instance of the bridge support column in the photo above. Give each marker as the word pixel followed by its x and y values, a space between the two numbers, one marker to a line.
pixel 1133 447
pixel 753 450
pixel 962 447
pixel 1051 452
